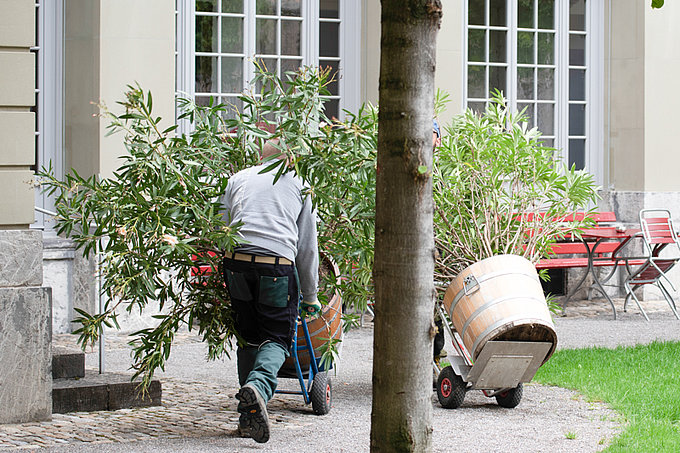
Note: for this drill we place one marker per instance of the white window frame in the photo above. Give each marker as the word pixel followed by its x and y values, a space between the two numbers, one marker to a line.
pixel 349 84
pixel 594 150
pixel 49 101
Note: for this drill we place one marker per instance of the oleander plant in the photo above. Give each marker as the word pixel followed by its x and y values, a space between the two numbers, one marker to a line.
pixel 159 214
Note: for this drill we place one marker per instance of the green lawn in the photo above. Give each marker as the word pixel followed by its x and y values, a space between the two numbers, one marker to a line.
pixel 641 382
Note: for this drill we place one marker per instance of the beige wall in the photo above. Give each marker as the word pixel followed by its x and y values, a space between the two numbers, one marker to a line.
pixel 109 45
pixel 17 122
pixel 662 98
pixel 626 106
pixel 449 73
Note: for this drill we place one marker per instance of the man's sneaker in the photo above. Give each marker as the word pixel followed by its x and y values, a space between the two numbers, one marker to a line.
pixel 253 412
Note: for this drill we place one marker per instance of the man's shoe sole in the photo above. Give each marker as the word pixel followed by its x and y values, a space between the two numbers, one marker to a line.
pixel 254 411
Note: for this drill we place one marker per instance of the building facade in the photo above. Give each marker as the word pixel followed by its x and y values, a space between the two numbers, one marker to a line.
pixel 594 76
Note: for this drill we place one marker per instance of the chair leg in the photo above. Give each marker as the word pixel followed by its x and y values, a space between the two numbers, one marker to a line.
pixel 637 302
pixel 669 299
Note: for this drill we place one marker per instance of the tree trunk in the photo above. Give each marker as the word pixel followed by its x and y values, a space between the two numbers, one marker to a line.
pixel 401 418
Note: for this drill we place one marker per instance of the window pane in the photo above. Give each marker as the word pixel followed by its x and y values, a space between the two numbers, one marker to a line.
pixel 477 82
pixel 232 35
pixel 476 45
pixel 329 32
pixel 476 12
pixel 204 101
pixel 546 14
pixel 269 65
pixel 529 112
pixel 577 84
pixel 233 106
pixel 525 14
pixel 577 119
pixel 332 108
pixel 266 7
pixel 546 48
pixel 206 5
pixel 266 36
pixel 546 84
pixel 232 6
pixel 577 50
pixel 525 83
pixel 206 34
pixel 206 74
pixel 577 153
pixel 497 13
pixel 548 142
pixel 290 8
pixel 477 107
pixel 232 75
pixel 497 78
pixel 525 47
pixel 546 119
pixel 334 75
pixel 497 48
pixel 290 65
pixel 329 9
pixel 290 37
pixel 577 15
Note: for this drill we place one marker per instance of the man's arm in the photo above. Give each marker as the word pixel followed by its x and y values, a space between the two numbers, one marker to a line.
pixel 307 260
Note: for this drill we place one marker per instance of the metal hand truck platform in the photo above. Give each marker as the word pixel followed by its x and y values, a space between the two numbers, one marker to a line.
pixel 499 370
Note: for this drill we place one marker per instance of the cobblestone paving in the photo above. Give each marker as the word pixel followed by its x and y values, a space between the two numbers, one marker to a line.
pixel 190 409
pixel 196 409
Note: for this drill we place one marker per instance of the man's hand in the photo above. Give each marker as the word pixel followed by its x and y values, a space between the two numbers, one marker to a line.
pixel 310 308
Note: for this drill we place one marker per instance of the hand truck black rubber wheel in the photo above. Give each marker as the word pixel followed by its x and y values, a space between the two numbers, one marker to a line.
pixel 322 393
pixel 450 388
pixel 510 398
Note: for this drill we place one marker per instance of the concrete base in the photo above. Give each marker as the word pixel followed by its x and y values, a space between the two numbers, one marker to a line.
pixel 25 354
pixel 67 363
pixel 102 392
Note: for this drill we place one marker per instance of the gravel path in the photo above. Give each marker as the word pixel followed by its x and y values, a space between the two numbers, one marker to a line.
pixel 548 419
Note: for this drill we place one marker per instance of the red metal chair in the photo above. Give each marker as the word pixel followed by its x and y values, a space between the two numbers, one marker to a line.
pixel 657 233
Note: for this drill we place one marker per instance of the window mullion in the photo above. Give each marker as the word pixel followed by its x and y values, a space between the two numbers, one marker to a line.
pixel 511 94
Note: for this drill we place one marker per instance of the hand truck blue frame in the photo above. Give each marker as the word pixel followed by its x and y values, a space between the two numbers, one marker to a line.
pixel 318 389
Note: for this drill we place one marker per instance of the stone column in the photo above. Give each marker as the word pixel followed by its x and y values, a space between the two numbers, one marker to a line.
pixel 25 319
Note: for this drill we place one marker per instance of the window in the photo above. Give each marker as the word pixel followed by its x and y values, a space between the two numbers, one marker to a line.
pixel 544 56
pixel 218 40
pixel 48 99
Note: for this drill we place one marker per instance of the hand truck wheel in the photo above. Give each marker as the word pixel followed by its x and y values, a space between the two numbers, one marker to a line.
pixel 451 389
pixel 510 398
pixel 322 393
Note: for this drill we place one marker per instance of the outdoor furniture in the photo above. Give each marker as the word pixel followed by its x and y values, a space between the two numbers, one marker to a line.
pixel 657 233
pixel 597 247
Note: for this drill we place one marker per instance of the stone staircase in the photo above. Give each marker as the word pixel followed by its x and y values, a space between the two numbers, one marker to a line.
pixel 77 390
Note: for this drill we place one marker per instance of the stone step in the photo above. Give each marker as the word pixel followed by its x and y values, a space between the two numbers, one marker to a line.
pixel 101 392
pixel 67 363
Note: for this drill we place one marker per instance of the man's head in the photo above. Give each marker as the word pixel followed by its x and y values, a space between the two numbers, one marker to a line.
pixel 436 135
pixel 270 149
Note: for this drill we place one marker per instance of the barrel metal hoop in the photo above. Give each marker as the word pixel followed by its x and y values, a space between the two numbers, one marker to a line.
pixel 481 280
pixel 492 327
pixel 499 300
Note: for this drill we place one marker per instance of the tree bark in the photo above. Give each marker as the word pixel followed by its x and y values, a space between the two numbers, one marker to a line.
pixel 401 418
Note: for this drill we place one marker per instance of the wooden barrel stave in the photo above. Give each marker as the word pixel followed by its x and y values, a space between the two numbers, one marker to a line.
pixel 504 301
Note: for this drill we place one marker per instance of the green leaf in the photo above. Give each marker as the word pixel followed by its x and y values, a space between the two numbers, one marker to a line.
pixel 657 3
pixel 422 169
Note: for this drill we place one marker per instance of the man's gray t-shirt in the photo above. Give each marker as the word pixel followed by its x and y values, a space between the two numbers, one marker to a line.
pixel 277 220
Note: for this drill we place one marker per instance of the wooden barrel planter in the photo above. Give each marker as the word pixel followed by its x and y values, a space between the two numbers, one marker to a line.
pixel 499 298
pixel 327 325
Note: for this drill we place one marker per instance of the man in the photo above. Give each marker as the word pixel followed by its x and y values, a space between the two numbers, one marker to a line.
pixel 439 339
pixel 277 258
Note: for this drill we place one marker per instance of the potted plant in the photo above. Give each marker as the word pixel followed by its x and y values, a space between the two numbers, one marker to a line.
pixel 501 200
